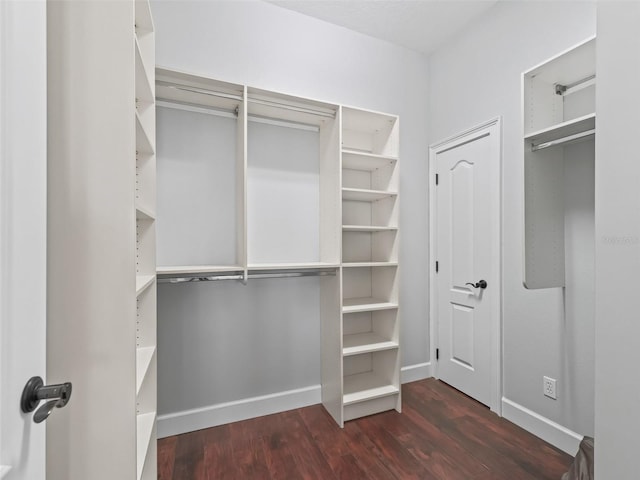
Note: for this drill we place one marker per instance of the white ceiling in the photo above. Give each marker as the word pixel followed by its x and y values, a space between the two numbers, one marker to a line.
pixel 421 25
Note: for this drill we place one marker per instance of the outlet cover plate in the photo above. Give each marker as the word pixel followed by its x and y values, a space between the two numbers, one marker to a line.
pixel 549 387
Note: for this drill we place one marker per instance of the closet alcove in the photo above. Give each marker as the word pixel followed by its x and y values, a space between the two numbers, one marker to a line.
pixel 277 215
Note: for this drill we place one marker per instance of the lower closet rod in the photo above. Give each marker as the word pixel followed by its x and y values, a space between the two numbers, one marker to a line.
pixel 200 279
pixel 319 273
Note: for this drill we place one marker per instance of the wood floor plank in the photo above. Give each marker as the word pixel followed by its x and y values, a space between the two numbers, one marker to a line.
pixel 166 457
pixel 331 442
pixel 189 457
pixel 441 435
pixel 278 457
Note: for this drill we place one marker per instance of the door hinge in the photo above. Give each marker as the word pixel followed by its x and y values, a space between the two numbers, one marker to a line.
pixel 437 354
pixel 437 266
pixel 436 179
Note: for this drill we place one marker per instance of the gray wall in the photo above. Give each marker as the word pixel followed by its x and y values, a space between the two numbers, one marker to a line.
pixel 477 77
pixel 617 241
pixel 268 47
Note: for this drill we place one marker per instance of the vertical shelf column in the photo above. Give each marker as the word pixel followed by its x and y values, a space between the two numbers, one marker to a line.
pixel 145 208
pixel 369 273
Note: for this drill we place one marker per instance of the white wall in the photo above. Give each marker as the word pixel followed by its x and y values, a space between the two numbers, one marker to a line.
pixel 472 79
pixel 617 241
pixel 268 47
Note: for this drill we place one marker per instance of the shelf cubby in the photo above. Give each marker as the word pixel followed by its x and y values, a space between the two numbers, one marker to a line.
pixel 378 213
pixel 200 168
pixel 370 331
pixel 145 427
pixel 145 251
pixel 561 89
pixel 144 356
pixel 292 180
pixel 369 132
pixel 143 138
pixel 368 244
pixel 371 383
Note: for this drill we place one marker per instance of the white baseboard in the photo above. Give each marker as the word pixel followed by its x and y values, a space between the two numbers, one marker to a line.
pixel 548 430
pixel 413 373
pixel 220 414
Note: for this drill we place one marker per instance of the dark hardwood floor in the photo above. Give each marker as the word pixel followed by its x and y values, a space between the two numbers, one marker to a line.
pixel 441 434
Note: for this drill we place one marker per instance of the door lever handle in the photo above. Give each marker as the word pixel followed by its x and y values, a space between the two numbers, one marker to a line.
pixel 481 284
pixel 35 390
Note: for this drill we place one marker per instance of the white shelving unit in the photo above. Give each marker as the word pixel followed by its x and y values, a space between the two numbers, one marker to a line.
pixel 365 378
pixel 328 202
pixel 145 201
pixel 102 208
pixel 247 171
pixel 202 160
pixel 558 112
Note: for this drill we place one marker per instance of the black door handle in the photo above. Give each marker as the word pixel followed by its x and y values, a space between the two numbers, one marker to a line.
pixel 35 390
pixel 481 284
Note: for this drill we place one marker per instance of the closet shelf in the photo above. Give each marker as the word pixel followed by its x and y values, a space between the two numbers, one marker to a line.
pixel 368 228
pixel 143 282
pixel 143 362
pixel 144 91
pixel 369 264
pixel 143 142
pixel 166 271
pixel 365 343
pixel 144 213
pixel 366 386
pixel 355 160
pixel 145 424
pixel 368 304
pixel 561 130
pixel 363 195
pixel 292 266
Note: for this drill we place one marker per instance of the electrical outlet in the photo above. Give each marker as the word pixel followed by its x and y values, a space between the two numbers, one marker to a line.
pixel 549 387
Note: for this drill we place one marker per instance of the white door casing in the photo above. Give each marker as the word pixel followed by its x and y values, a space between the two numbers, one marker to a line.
pixel 23 188
pixel 465 221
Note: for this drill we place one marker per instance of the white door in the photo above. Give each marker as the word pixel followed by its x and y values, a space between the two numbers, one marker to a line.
pixel 23 141
pixel 467 249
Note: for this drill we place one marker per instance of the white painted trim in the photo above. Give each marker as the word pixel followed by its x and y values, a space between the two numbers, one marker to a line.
pixel 413 373
pixel 4 470
pixel 548 430
pixel 237 410
pixel 492 127
pixel 222 413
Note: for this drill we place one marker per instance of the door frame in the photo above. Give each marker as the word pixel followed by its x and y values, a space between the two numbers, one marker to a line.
pixel 493 128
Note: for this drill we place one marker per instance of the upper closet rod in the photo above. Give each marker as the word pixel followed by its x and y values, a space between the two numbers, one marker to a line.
pixel 575 86
pixel 562 140
pixel 202 91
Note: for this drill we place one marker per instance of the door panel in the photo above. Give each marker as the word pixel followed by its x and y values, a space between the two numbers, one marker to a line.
pixel 461 205
pixel 462 335
pixel 465 235
pixel 23 137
